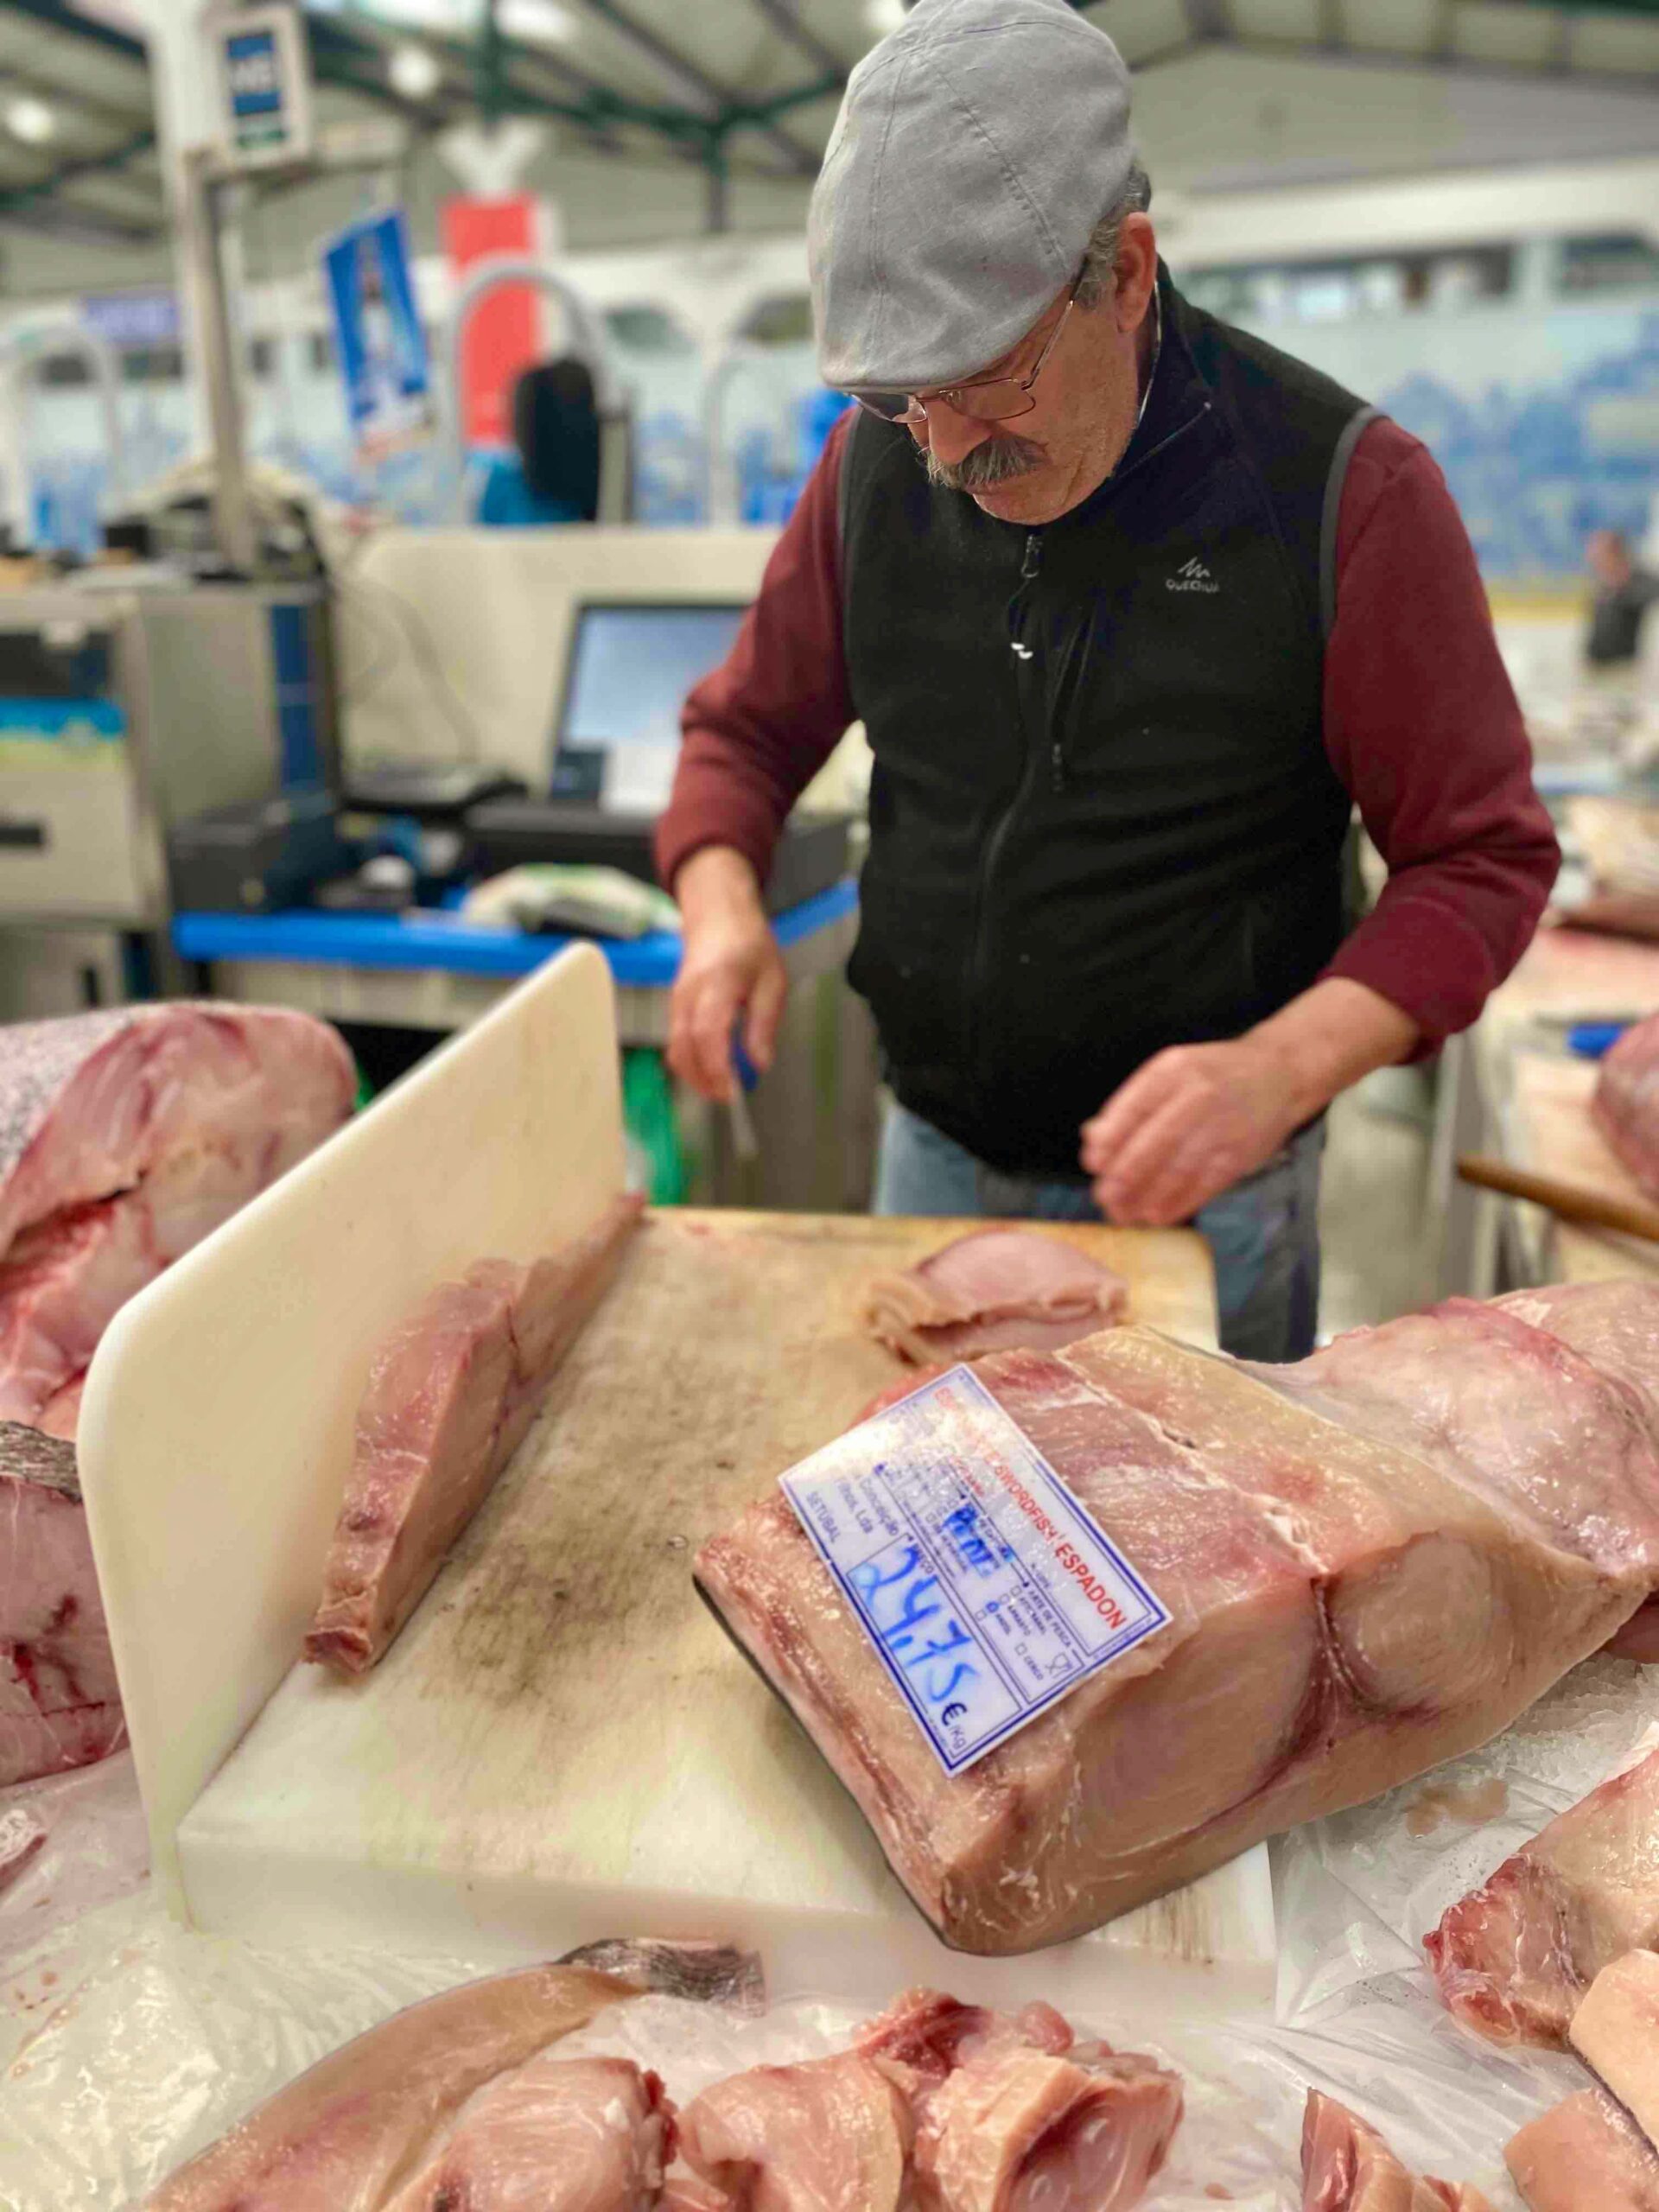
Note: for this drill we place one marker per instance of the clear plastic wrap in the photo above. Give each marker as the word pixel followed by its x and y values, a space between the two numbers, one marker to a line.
pixel 96 1849
pixel 127 2043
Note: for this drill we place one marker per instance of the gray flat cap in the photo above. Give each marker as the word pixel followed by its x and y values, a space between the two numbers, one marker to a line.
pixel 976 151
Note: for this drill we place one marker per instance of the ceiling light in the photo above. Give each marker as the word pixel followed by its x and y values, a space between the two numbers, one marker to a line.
pixel 451 16
pixel 543 22
pixel 31 120
pixel 415 71
pixel 884 15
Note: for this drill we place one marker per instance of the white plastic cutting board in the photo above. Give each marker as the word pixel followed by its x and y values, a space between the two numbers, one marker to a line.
pixel 217 1426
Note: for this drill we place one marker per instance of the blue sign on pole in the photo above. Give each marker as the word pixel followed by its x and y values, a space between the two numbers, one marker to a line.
pixel 377 333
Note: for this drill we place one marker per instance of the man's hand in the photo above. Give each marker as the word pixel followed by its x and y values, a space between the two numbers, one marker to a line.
pixel 1198 1118
pixel 731 969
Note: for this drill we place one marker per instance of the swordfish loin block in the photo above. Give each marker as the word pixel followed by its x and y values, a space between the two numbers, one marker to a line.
pixel 1355 1597
pixel 1624 1105
pixel 59 1705
pixel 1587 2155
pixel 1615 2030
pixel 451 1393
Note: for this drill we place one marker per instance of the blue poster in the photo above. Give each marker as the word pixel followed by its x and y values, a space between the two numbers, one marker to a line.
pixel 377 333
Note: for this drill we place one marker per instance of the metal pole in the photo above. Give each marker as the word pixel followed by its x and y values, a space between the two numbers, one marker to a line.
pixel 718 216
pixel 198 245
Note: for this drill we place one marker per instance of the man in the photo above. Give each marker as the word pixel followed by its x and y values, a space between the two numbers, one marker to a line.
pixel 1623 595
pixel 1134 609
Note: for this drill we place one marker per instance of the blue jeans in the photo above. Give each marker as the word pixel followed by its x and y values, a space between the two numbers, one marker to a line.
pixel 1263 1234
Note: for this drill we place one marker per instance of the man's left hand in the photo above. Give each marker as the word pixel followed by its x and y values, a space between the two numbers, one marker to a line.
pixel 1186 1126
pixel 1196 1119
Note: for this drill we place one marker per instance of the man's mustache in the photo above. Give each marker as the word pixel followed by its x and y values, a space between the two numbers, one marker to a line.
pixel 996 460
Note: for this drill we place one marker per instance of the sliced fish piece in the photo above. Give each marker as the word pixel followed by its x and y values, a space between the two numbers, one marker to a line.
pixel 1616 2032
pixel 1587 2155
pixel 1347 2167
pixel 556 2135
pixel 59 1703
pixel 830 2136
pixel 1019 2130
pixel 993 1290
pixel 1513 1957
pixel 450 1396
pixel 363 2121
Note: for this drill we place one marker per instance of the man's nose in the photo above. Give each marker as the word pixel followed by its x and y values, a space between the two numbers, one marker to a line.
pixel 951 435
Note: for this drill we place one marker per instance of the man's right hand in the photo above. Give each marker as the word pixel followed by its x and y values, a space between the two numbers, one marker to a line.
pixel 731 969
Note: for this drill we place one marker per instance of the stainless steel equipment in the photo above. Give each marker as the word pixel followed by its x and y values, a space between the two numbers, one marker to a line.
pixel 123 710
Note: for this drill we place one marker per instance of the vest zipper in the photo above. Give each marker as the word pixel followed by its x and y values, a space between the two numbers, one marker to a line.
pixel 1074 690
pixel 1030 563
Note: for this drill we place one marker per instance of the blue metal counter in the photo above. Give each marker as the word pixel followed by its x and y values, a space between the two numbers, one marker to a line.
pixel 428 939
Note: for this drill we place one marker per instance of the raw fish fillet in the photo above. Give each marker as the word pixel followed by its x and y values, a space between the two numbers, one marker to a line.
pixel 1374 1562
pixel 125 1138
pixel 1624 1105
pixel 1616 2032
pixel 59 1705
pixel 1019 2130
pixel 830 2136
pixel 1347 2167
pixel 364 2120
pixel 994 1290
pixel 1587 2155
pixel 450 1396
pixel 557 2135
pixel 1513 1957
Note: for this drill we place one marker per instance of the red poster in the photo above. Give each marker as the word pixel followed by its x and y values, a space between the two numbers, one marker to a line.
pixel 506 332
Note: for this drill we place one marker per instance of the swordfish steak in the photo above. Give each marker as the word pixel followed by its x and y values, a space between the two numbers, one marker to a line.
pixel 1374 1562
pixel 59 1705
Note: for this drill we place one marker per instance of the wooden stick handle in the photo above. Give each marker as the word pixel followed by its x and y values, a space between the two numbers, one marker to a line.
pixel 1571 1201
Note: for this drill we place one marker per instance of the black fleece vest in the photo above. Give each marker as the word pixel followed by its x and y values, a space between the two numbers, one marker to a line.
pixel 1102 817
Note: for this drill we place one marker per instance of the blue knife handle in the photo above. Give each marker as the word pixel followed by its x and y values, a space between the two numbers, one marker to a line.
pixel 1590 1039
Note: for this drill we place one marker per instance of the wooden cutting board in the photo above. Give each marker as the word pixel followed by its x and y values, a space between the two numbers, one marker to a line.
pixel 564 1744
pixel 1553 1134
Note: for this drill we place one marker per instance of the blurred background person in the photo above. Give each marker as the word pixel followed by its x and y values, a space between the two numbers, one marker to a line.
pixel 551 475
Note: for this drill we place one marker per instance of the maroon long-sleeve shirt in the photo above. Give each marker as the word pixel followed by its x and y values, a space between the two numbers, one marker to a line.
pixel 1421 723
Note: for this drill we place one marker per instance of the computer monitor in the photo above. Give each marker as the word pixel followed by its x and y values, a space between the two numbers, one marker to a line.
pixel 631 664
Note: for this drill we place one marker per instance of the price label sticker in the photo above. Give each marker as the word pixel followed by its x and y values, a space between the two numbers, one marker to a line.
pixel 986 1589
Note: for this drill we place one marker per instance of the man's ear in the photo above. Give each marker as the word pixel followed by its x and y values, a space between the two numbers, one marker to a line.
pixel 1137 271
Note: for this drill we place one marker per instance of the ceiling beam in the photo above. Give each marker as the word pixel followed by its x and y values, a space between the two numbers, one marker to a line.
pixel 784 17
pixel 30 200
pixel 62 17
pixel 708 100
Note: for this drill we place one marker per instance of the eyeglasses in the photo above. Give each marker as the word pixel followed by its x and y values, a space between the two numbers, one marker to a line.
pixel 990 399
